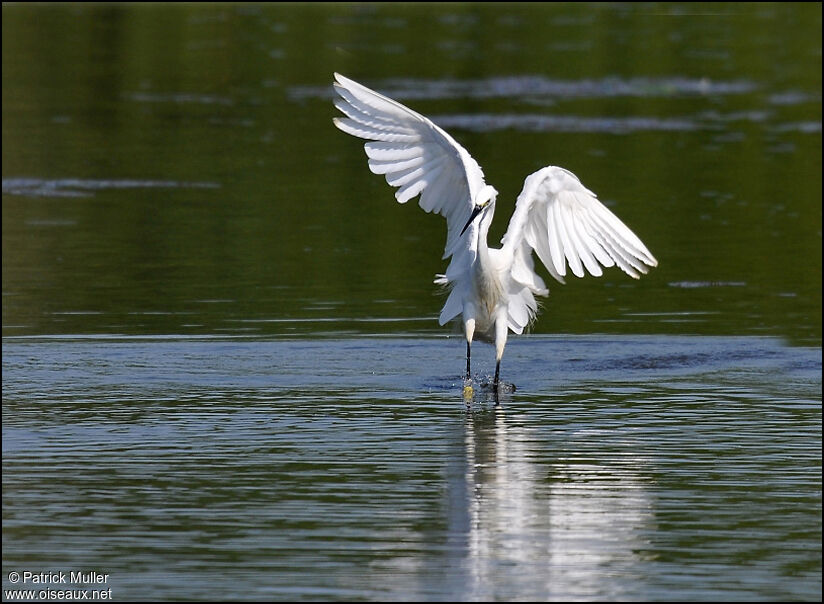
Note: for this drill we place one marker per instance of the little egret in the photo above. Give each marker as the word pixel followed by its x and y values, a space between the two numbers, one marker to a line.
pixel 493 289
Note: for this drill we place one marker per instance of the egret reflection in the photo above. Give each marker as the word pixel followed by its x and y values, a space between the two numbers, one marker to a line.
pixel 566 527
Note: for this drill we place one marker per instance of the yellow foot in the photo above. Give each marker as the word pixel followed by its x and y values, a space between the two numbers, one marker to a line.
pixel 468 392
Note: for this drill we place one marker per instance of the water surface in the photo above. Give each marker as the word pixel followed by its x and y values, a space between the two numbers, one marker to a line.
pixel 622 468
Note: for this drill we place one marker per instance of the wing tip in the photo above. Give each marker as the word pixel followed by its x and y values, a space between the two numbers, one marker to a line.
pixel 351 85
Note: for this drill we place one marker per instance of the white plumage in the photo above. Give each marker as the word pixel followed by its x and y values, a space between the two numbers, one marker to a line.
pixel 555 216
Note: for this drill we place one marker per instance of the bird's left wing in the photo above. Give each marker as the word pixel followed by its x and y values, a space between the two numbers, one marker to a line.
pixel 564 222
pixel 413 153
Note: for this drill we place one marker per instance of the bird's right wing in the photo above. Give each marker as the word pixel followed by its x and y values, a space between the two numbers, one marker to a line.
pixel 564 222
pixel 413 153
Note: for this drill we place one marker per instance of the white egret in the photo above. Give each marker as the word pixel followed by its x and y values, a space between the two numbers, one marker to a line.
pixel 493 289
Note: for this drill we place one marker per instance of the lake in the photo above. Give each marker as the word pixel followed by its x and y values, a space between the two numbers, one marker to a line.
pixel 223 375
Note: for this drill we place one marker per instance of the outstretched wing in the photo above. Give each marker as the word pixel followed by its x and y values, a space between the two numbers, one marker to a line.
pixel 564 222
pixel 413 153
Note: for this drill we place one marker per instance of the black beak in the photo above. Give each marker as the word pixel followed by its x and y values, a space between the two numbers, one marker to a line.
pixel 475 212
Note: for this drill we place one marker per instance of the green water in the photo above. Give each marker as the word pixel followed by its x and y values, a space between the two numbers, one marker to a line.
pixel 216 192
pixel 223 376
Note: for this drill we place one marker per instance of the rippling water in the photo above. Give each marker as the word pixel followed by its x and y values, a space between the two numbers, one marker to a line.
pixel 621 468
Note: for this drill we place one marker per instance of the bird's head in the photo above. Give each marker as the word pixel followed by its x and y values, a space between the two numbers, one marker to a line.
pixel 484 201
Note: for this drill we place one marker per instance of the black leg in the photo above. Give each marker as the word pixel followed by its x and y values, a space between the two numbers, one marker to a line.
pixel 495 389
pixel 468 346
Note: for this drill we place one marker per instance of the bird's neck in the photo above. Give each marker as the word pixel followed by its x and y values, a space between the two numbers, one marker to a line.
pixel 486 280
pixel 483 231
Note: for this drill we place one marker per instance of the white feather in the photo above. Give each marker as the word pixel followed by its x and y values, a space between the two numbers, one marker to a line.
pixel 579 229
pixel 402 139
